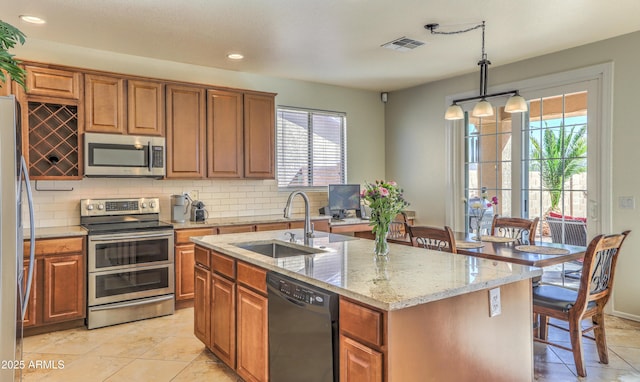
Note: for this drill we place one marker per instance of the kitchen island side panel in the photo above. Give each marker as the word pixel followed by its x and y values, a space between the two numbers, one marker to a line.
pixel 455 339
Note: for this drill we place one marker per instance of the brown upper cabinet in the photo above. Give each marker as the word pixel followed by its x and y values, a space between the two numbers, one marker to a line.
pixel 52 119
pixel 139 111
pixel 104 104
pixel 224 134
pixel 259 131
pixel 5 88
pixel 186 132
pixel 51 82
pixel 211 132
pixel 145 108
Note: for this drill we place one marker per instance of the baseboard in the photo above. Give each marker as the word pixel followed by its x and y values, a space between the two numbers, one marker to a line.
pixel 628 316
pixel 32 331
pixel 184 304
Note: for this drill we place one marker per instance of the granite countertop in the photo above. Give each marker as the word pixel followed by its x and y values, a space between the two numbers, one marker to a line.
pixel 50 232
pixel 411 276
pixel 237 220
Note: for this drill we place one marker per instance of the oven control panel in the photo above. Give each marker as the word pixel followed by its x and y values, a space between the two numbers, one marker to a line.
pixel 128 206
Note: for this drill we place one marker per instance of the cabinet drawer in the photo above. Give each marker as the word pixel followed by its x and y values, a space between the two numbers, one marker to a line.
pixel 235 229
pixel 272 226
pixel 53 82
pixel 297 224
pixel 320 225
pixel 252 277
pixel 364 227
pixel 224 265
pixel 56 246
pixel 361 323
pixel 202 257
pixel 183 235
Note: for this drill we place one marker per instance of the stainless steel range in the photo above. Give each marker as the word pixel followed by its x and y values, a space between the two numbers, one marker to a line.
pixel 130 260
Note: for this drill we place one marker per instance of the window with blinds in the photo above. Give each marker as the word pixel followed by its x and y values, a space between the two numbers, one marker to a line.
pixel 311 147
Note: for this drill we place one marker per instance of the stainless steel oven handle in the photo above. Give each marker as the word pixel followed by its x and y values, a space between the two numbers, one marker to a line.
pixel 133 303
pixel 129 236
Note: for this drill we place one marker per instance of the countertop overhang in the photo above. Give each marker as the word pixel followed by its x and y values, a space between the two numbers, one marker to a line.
pixel 411 276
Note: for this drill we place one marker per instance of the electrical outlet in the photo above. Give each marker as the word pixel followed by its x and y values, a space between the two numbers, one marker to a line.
pixel 495 307
pixel 626 202
pixel 194 195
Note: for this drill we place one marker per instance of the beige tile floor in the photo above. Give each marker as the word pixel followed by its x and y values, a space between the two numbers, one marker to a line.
pixel 623 340
pixel 158 349
pixel 164 349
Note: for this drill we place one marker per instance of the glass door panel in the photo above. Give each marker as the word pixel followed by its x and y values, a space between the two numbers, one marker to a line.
pixel 488 166
pixel 555 165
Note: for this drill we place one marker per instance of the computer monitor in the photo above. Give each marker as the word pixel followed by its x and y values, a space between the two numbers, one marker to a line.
pixel 342 198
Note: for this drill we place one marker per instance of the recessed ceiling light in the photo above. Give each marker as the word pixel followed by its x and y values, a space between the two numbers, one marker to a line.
pixel 235 56
pixel 32 19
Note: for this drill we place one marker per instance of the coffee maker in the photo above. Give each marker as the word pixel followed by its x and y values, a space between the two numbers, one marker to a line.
pixel 198 212
pixel 179 207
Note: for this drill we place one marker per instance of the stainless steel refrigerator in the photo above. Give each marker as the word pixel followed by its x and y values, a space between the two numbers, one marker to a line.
pixel 15 283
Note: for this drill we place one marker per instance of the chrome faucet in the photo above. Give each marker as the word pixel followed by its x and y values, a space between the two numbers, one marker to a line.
pixel 308 227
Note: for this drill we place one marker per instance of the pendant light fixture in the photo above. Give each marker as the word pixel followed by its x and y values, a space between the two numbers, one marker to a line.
pixel 483 108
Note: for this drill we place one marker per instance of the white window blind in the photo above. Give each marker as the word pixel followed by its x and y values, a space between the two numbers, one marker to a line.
pixel 311 147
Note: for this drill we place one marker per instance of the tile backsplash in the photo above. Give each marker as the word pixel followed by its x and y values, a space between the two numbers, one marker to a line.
pixel 222 198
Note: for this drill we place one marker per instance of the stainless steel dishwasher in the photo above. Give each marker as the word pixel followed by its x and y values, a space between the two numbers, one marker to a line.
pixel 303 331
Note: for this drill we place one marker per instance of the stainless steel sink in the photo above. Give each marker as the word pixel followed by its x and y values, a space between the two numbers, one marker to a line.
pixel 278 249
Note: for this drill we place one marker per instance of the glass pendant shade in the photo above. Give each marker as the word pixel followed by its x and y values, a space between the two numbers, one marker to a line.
pixel 454 112
pixel 516 104
pixel 482 109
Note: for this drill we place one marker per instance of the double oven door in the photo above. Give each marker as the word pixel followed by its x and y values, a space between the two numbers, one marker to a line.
pixel 128 266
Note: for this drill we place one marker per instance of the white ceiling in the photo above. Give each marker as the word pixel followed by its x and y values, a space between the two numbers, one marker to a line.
pixel 328 41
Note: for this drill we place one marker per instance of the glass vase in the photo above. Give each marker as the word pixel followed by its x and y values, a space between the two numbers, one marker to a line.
pixel 381 245
pixel 478 228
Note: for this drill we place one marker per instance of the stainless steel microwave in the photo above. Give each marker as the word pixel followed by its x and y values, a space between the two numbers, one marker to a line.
pixel 118 156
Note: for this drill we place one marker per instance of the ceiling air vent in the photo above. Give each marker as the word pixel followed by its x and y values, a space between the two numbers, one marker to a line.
pixel 403 44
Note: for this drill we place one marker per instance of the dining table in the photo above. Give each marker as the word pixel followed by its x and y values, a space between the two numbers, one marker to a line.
pixel 537 254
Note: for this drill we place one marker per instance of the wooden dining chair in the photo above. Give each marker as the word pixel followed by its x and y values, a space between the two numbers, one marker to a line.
pixel 516 228
pixel 439 239
pixel 587 302
pixel 397 228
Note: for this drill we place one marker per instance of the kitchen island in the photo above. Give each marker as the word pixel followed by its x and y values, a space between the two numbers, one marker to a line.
pixel 420 316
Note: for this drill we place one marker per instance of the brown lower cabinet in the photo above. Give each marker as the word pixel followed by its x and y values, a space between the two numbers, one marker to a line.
pixel 201 314
pixel 30 314
pixel 359 362
pixel 223 319
pixel 230 312
pixel 362 342
pixel 184 262
pixel 252 361
pixel 59 281
pixel 184 255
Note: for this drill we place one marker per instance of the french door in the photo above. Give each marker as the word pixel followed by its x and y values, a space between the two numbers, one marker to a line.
pixel 542 163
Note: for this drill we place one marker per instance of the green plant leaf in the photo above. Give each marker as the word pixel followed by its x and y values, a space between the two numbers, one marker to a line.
pixel 560 154
pixel 9 37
